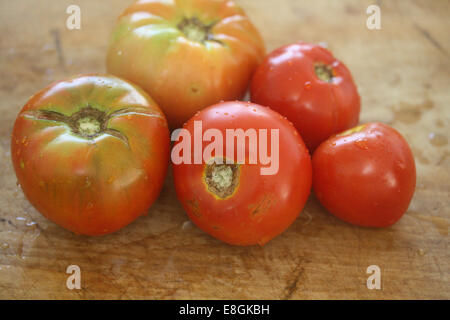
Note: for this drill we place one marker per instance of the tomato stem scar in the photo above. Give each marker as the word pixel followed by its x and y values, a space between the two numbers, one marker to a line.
pixel 197 31
pixel 222 179
pixel 324 72
pixel 88 126
pixel 89 122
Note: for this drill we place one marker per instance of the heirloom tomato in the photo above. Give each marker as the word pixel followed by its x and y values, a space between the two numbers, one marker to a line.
pixel 305 83
pixel 91 153
pixel 366 175
pixel 187 54
pixel 246 175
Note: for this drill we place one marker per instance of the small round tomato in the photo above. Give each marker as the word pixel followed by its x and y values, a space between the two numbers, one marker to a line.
pixel 186 54
pixel 91 153
pixel 366 175
pixel 305 83
pixel 252 175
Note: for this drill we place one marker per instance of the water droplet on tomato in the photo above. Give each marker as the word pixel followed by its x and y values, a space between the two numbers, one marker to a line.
pixel 399 164
pixel 307 85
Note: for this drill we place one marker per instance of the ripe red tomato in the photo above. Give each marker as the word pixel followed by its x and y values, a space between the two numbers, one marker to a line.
pixel 305 83
pixel 186 54
pixel 91 153
pixel 235 202
pixel 366 175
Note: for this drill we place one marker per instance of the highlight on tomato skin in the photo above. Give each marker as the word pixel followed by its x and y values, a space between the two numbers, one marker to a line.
pixel 186 54
pixel 233 201
pixel 308 85
pixel 365 176
pixel 91 152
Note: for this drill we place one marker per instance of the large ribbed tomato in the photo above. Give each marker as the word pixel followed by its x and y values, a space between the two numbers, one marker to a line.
pixel 187 54
pixel 91 153
pixel 242 202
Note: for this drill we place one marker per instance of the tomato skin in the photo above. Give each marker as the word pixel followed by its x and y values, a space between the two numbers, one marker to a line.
pixel 262 206
pixel 286 81
pixel 183 75
pixel 91 185
pixel 367 177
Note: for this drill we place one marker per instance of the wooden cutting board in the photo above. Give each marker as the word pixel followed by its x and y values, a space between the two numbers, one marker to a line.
pixel 403 75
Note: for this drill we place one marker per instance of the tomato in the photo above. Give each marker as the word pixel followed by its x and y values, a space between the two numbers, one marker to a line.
pixel 242 201
pixel 305 83
pixel 366 175
pixel 187 54
pixel 91 153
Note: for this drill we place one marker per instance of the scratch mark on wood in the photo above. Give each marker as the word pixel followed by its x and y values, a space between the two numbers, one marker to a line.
pixel 8 221
pixel 57 40
pixel 430 38
pixel 292 284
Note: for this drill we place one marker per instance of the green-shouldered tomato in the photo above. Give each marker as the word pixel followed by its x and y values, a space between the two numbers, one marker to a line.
pixel 187 54
pixel 91 152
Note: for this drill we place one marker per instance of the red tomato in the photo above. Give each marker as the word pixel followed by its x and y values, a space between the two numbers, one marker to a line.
pixel 305 83
pixel 235 202
pixel 365 176
pixel 186 54
pixel 91 153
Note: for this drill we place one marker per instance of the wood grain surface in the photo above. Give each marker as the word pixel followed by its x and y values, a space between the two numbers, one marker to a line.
pixel 403 75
